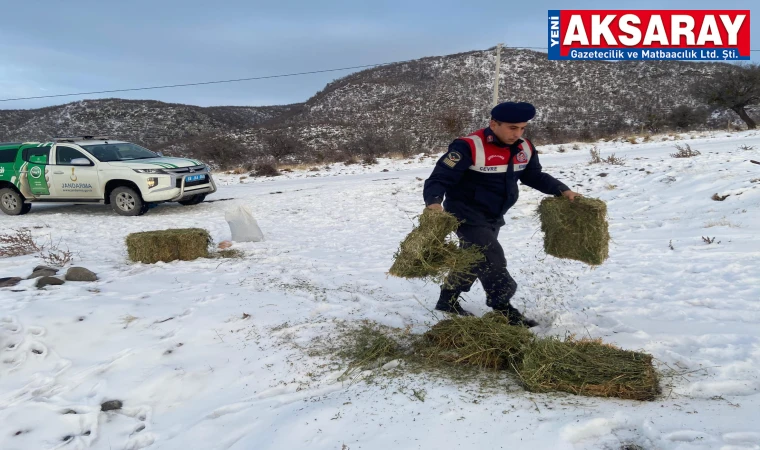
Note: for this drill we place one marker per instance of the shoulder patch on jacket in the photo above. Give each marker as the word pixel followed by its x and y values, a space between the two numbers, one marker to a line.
pixel 455 156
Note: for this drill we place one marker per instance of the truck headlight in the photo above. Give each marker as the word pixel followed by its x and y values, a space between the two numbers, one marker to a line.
pixel 152 171
pixel 152 182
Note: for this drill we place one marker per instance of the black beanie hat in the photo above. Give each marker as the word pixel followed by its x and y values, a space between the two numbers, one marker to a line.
pixel 513 112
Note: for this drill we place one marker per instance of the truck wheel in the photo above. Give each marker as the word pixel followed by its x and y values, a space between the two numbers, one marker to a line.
pixel 127 202
pixel 194 200
pixel 12 203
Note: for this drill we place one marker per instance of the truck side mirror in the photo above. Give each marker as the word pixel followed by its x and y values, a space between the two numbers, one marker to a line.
pixel 81 162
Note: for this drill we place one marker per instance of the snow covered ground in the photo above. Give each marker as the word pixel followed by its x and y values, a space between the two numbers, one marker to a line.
pixel 213 354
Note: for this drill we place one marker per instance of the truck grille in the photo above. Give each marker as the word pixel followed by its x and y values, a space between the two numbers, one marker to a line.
pixel 187 169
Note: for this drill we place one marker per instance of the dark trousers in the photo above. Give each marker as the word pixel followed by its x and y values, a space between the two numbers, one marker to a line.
pixel 500 287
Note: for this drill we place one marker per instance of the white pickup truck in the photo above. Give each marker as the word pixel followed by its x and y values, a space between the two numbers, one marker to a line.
pixel 96 169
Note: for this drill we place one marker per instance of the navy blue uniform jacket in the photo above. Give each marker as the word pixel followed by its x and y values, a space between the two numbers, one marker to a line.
pixel 478 198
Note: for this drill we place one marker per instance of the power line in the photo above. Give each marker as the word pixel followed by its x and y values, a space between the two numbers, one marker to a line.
pixel 198 84
pixel 236 80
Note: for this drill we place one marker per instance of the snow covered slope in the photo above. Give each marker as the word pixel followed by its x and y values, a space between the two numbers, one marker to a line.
pixel 213 354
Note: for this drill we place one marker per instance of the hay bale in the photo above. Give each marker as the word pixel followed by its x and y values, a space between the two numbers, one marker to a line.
pixel 582 367
pixel 575 230
pixel 426 252
pixel 168 245
pixel 588 367
pixel 487 342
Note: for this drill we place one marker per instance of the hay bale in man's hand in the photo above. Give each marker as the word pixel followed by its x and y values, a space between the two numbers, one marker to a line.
pixel 588 367
pixel 575 230
pixel 168 245
pixel 426 252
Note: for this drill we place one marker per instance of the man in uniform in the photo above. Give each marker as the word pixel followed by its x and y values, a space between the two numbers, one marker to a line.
pixel 478 178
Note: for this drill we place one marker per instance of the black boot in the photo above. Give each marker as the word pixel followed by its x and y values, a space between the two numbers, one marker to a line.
pixel 449 302
pixel 516 318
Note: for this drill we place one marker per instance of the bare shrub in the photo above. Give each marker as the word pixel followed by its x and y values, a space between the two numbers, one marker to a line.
pixel 402 143
pixel 17 243
pixel 596 157
pixel 684 151
pixel 56 257
pixel 612 159
pixel 453 123
pixel 20 242
pixel 215 149
pixel 265 169
pixel 281 145
pixel 684 117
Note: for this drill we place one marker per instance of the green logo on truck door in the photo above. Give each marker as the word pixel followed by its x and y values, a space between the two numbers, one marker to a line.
pixel 34 173
pixel 38 184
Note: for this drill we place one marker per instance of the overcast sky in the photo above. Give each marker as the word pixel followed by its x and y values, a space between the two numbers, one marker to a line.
pixel 57 47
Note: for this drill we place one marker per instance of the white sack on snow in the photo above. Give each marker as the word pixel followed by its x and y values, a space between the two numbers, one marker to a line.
pixel 242 225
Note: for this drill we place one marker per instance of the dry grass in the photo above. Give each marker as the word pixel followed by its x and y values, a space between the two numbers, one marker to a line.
pixel 575 230
pixel 168 245
pixel 721 223
pixel 488 342
pixel 127 319
pixel 427 252
pixel 229 253
pixel 368 347
pixel 582 367
pixel 588 367
pixel 299 167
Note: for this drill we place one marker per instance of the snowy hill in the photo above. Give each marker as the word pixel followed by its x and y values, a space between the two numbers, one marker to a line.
pixel 428 100
pixel 216 353
pixel 138 120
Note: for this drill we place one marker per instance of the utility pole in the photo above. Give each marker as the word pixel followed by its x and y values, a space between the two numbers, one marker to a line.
pixel 496 76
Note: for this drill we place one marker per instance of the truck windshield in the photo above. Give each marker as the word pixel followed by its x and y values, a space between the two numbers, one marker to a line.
pixel 119 152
